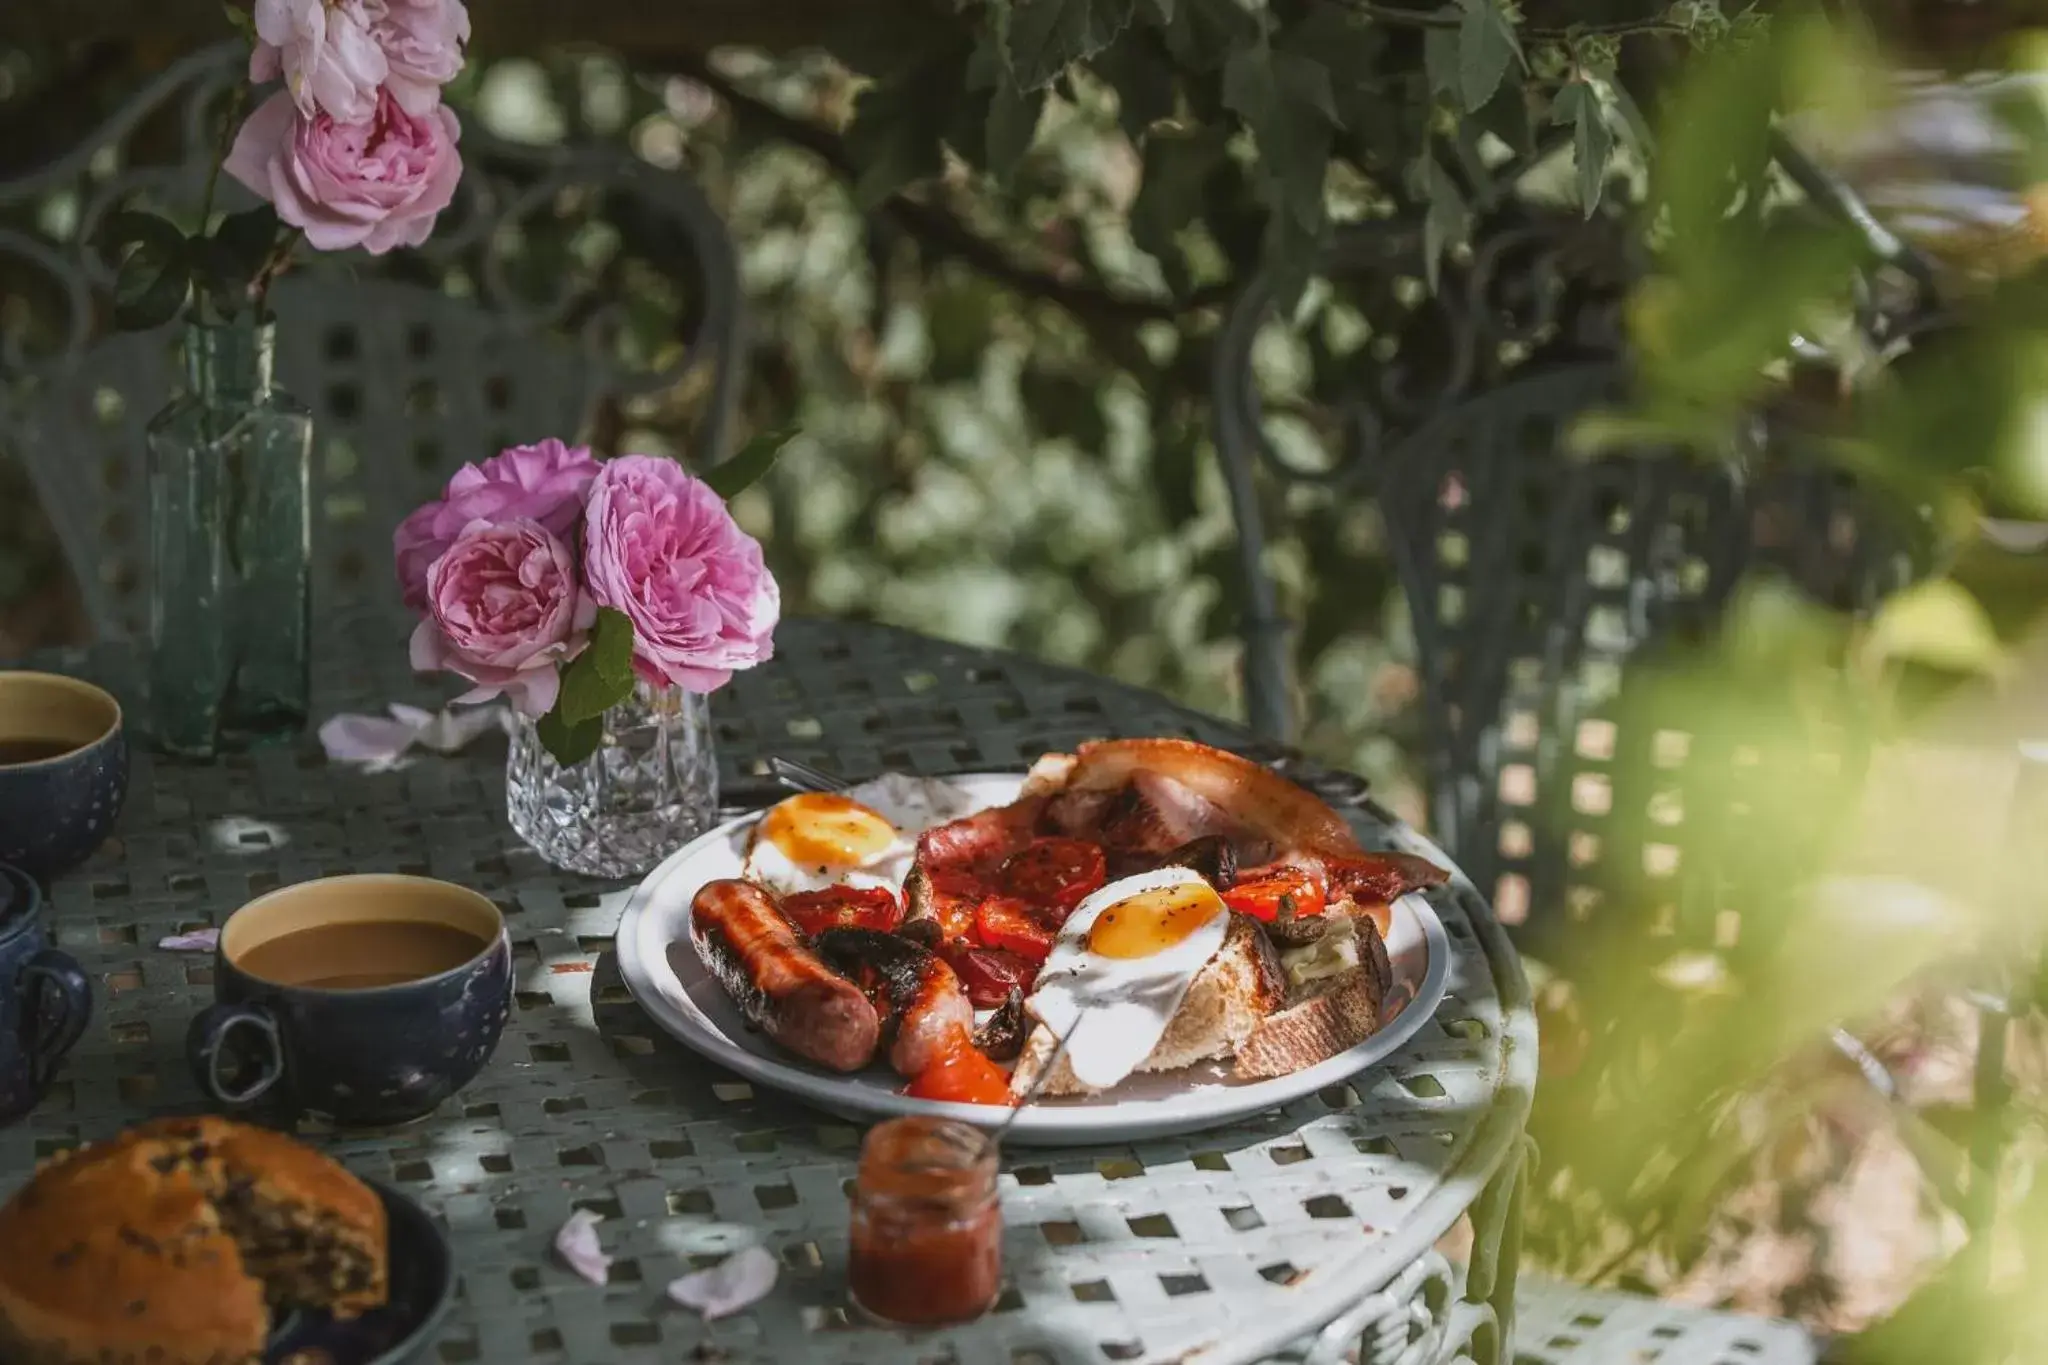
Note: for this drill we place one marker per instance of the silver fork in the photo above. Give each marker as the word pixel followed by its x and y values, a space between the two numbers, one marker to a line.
pixel 803 777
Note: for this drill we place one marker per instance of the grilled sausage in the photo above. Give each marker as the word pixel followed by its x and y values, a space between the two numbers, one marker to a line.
pixel 929 1003
pixel 745 940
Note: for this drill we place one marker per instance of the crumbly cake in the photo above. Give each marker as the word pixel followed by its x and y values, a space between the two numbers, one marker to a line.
pixel 170 1244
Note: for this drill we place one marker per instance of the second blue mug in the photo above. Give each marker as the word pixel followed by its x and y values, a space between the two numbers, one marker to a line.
pixel 45 998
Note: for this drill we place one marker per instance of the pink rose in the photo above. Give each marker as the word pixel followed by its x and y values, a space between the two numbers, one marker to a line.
pixel 422 42
pixel 324 51
pixel 544 483
pixel 660 546
pixel 505 612
pixel 376 185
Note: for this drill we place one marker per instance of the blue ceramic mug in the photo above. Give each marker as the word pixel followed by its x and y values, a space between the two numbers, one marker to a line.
pixel 63 770
pixel 45 999
pixel 367 999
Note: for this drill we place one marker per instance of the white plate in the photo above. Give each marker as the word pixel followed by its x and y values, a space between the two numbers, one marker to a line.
pixel 663 971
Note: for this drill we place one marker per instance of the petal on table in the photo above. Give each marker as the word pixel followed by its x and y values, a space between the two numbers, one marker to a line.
pixel 739 1281
pixel 577 1245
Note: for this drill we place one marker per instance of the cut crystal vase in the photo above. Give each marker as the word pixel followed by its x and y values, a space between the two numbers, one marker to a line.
pixel 651 787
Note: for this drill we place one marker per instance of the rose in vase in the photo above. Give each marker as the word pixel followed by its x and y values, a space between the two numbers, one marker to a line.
pixel 545 481
pixel 660 547
pixel 505 610
pixel 667 588
pixel 378 184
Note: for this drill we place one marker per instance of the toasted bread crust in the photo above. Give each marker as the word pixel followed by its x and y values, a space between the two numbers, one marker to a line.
pixel 1343 1013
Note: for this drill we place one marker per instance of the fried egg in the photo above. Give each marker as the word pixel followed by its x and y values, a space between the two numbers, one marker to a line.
pixel 865 836
pixel 1121 965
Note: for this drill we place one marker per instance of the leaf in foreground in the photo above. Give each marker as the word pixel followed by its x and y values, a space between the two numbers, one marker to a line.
pixel 728 478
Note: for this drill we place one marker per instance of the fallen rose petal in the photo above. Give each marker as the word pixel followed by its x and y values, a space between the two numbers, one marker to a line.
pixel 452 731
pixel 739 1281
pixel 577 1244
pixel 370 740
pixel 198 941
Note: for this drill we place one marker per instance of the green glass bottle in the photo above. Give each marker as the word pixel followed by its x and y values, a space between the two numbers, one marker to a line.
pixel 230 548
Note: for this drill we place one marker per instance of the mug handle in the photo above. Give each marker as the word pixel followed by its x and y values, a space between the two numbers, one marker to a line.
pixel 205 1039
pixel 53 975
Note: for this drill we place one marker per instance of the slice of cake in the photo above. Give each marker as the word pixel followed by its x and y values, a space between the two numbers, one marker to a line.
pixel 173 1242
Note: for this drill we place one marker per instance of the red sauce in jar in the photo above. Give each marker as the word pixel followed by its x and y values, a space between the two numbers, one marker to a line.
pixel 927 1237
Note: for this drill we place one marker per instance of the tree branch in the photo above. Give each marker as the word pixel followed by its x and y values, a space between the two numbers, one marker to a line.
pixel 937 227
pixel 1415 18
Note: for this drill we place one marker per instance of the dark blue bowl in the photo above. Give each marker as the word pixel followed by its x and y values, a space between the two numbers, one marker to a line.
pixel 63 770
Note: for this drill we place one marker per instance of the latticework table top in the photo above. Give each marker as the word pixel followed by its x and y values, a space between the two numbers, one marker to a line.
pixel 1227 1244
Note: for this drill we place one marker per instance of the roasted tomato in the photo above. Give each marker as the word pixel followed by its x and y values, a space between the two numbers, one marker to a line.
pixel 956 892
pixel 1054 874
pixel 1267 892
pixel 844 907
pixel 990 974
pixel 962 1075
pixel 1008 923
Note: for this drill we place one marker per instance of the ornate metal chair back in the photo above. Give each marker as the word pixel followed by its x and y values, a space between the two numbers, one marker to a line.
pixel 1533 576
pixel 564 291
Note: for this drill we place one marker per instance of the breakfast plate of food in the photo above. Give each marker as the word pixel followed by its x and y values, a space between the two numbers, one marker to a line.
pixel 1139 938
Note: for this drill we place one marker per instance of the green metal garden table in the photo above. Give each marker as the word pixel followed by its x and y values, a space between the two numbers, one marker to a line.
pixel 1304 1233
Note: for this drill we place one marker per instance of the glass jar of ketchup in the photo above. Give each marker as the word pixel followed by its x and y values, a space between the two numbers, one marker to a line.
pixel 927 1244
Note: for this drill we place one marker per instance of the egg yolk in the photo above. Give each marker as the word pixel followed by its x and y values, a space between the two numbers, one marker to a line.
pixel 827 830
pixel 1152 921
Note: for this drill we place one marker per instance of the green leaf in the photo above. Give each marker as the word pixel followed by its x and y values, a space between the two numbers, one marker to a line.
pixel 249 235
pixel 1164 9
pixel 241 20
pixel 1440 61
pixel 1178 163
pixel 1284 99
pixel 731 476
pixel 153 275
pixel 569 744
pixel 1448 221
pixel 1341 42
pixel 602 675
pixel 1205 33
pixel 224 264
pixel 1046 36
pixel 891 144
pixel 1486 46
pixel 900 122
pixel 1937 624
pixel 1592 143
pixel 1065 404
pixel 1143 76
pixel 1290 252
pixel 1715 138
pixel 1013 116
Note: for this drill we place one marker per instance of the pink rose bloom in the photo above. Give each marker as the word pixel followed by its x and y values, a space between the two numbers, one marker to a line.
pixel 660 546
pixel 376 185
pixel 422 42
pixel 324 51
pixel 505 612
pixel 544 483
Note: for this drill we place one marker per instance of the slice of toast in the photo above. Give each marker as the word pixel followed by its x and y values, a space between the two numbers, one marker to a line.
pixel 1326 1015
pixel 1342 1012
pixel 1225 1003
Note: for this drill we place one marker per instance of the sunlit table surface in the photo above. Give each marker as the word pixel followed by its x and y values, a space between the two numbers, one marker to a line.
pixel 1234 1245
